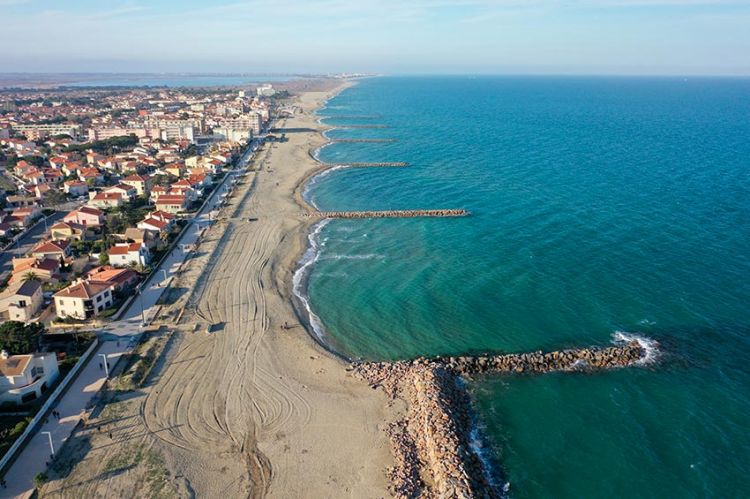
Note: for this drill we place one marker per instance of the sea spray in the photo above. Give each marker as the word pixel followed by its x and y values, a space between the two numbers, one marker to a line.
pixel 650 346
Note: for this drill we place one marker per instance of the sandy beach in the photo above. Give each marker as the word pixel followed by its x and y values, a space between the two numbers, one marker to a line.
pixel 256 408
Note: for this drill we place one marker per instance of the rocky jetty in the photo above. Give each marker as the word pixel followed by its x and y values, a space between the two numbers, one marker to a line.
pixel 378 164
pixel 431 444
pixel 360 141
pixel 387 214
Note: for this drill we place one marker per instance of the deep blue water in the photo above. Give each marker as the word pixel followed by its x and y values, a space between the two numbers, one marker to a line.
pixel 598 205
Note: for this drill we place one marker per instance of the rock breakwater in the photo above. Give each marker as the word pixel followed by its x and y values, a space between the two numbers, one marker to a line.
pixel 431 444
pixel 388 214
pixel 377 164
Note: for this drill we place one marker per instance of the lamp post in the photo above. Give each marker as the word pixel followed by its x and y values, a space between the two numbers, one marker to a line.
pixel 106 365
pixel 140 302
pixel 51 446
pixel 165 275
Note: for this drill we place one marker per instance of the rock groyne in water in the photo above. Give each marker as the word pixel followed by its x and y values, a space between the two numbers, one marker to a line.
pixel 364 141
pixel 432 443
pixel 378 164
pixel 388 214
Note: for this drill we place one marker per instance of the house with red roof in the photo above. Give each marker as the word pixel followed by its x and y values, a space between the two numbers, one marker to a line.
pixel 67 231
pixel 23 217
pixel 153 225
pixel 127 192
pixel 83 300
pixel 172 203
pixel 124 254
pixel 138 182
pixel 156 191
pixel 91 175
pixel 86 216
pixel 104 200
pixel 76 188
pixel 119 280
pixel 47 270
pixel 183 188
pixel 59 250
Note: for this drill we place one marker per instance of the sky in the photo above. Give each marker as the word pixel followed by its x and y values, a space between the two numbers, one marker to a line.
pixel 673 37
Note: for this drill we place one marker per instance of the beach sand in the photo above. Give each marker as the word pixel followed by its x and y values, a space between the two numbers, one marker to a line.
pixel 255 408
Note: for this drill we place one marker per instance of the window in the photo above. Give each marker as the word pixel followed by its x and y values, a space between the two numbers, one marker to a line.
pixel 99 298
pixel 61 302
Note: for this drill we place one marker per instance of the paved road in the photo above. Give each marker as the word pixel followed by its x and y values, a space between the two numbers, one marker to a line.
pixel 117 338
pixel 32 237
pixel 27 242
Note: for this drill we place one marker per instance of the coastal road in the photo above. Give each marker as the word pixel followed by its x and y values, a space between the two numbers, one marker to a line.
pixel 116 339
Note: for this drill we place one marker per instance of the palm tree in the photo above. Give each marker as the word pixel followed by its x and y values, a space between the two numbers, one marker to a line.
pixel 29 276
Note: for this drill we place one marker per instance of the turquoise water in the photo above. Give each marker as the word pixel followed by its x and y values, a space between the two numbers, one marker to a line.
pixel 599 205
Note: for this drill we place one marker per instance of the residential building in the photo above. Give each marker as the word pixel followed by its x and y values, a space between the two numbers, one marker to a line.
pixel 76 188
pixel 108 133
pixel 36 132
pixel 86 216
pixel 138 182
pixel 153 225
pixel 45 269
pixel 127 192
pixel 266 90
pixel 21 300
pixel 119 280
pixel 156 191
pixel 67 231
pixel 172 203
pixel 24 378
pixel 104 200
pixel 57 250
pixel 83 300
pixel 124 254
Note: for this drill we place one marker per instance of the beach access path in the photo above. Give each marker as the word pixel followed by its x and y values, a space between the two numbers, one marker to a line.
pixel 116 339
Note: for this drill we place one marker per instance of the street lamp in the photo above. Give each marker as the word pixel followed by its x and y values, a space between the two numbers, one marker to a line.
pixel 51 447
pixel 106 365
pixel 165 275
pixel 140 302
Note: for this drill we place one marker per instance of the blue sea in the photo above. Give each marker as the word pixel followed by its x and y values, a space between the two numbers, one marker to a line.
pixel 601 208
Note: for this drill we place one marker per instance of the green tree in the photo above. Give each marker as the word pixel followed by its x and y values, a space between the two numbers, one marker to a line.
pixel 29 276
pixel 18 338
pixel 40 479
pixel 103 258
pixel 54 197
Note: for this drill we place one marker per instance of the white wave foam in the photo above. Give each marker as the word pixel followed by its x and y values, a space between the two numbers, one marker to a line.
pixel 650 346
pixel 368 256
pixel 314 180
pixel 299 280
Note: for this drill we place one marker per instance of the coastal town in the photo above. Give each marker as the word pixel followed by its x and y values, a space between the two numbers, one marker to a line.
pixel 99 190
